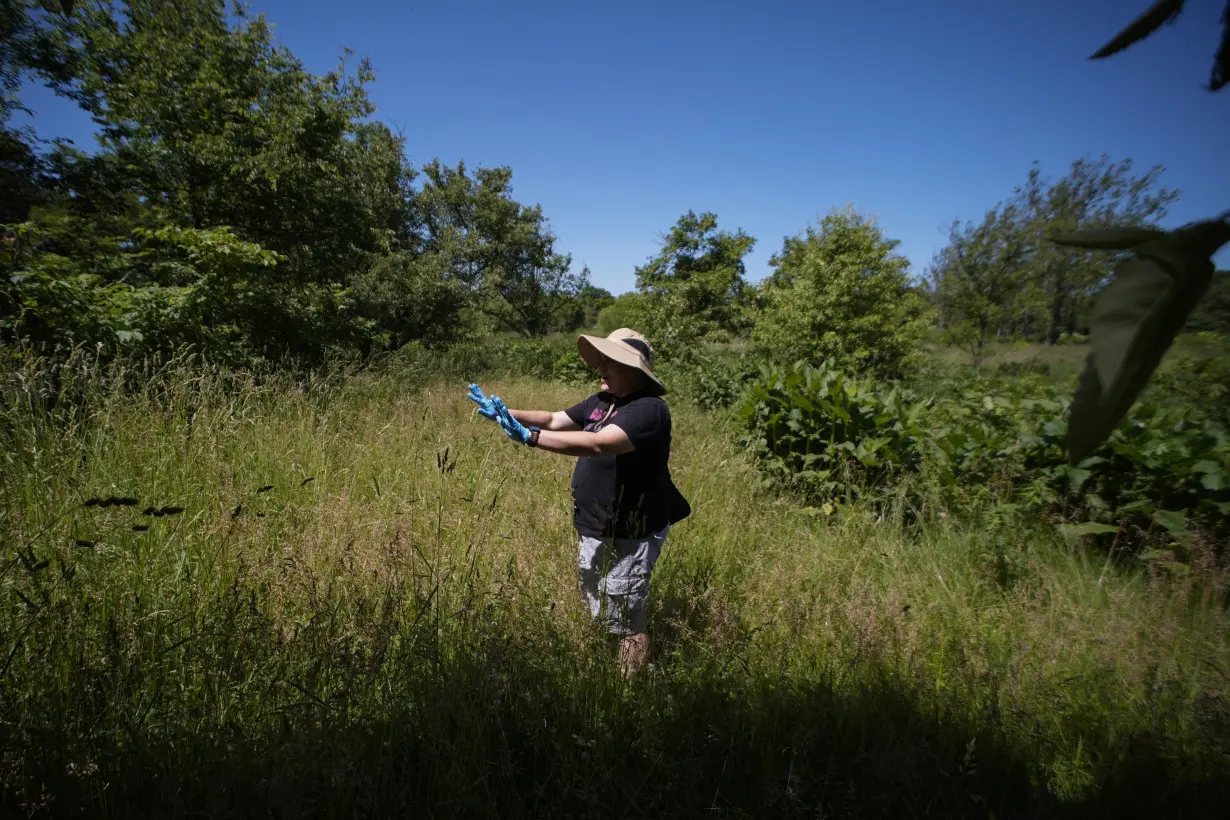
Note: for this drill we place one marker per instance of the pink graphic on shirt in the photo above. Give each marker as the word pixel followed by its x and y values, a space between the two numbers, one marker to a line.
pixel 598 418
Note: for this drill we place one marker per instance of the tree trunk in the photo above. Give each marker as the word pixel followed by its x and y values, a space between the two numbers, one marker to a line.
pixel 981 344
pixel 1059 295
pixel 1071 325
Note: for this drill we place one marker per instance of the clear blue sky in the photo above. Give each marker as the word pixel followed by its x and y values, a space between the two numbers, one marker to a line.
pixel 617 117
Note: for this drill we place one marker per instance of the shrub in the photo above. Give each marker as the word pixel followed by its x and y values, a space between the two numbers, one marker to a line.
pixel 1201 382
pixel 534 358
pixel 1033 365
pixel 822 433
pixel 1164 470
pixel 711 380
pixel 612 317
pixel 842 293
pixel 568 366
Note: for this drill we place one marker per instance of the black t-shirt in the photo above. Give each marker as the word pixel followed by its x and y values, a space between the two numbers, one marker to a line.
pixel 623 496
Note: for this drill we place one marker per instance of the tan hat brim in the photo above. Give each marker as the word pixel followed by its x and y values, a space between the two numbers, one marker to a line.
pixel 593 348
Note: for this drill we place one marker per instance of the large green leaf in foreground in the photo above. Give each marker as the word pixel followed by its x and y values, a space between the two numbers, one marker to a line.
pixel 1136 318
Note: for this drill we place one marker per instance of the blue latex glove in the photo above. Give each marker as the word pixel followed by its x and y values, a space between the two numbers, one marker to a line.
pixel 516 431
pixel 485 406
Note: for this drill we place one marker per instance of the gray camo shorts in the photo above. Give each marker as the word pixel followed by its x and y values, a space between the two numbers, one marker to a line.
pixel 614 575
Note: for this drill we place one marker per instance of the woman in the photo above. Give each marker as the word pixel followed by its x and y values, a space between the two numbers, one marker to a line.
pixel 624 500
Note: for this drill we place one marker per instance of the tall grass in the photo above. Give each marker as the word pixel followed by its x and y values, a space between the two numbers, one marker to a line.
pixel 348 594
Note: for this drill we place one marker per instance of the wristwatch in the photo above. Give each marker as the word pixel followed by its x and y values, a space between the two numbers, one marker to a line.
pixel 534 431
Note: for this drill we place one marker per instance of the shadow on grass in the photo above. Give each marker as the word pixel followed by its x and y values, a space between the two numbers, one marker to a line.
pixel 516 733
pixel 508 717
pixel 704 746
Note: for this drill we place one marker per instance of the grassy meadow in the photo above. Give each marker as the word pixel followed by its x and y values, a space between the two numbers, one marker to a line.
pixel 351 595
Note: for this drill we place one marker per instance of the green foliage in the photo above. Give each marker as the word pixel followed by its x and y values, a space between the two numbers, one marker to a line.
pixel 219 127
pixel 616 315
pixel 1201 383
pixel 157 289
pixel 29 44
pixel 411 297
pixel 674 334
pixel 1095 195
pixel 582 309
pixel 978 282
pixel 218 155
pixel 1171 268
pixel 1212 314
pixel 592 300
pixel 710 380
pixel 1164 460
pixel 496 246
pixel 550 358
pixel 55 300
pixel 841 293
pixel 1137 318
pixel 209 289
pixel 1005 277
pixel 1063 236
pixel 695 286
pixel 997 439
pixel 22 180
pixel 830 436
pixel 213 137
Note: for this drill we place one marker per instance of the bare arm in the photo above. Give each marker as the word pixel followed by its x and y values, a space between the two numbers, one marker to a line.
pixel 609 441
pixel 545 419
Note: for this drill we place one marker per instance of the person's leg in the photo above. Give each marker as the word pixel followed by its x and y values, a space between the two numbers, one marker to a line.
pixel 633 653
pixel 626 597
pixel 590 555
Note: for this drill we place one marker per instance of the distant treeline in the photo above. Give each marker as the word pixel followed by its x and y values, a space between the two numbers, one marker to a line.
pixel 241 205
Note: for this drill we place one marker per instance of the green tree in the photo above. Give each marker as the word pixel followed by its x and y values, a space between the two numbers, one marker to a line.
pixel 627 310
pixel 1095 194
pixel 527 284
pixel 582 309
pixel 1005 275
pixel 502 250
pixel 412 296
pixel 28 45
pixel 206 126
pixel 977 282
pixel 216 126
pixel 1152 292
pixel 840 292
pixel 592 300
pixel 695 286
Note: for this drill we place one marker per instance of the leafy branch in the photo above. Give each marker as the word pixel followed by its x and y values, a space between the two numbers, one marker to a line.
pixel 1158 15
pixel 1138 315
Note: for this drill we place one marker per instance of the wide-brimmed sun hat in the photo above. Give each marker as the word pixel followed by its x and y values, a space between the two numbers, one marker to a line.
pixel 625 346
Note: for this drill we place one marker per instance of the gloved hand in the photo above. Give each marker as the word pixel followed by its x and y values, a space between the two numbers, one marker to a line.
pixel 516 431
pixel 485 406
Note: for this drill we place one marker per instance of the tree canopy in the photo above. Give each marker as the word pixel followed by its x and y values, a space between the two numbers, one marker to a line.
pixel 1004 276
pixel 238 202
pixel 839 291
pixel 695 286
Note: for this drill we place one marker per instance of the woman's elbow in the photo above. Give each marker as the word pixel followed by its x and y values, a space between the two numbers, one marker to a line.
pixel 612 448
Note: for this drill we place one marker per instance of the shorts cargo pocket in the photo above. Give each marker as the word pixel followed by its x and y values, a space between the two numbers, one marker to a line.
pixel 625 602
pixel 627 585
pixel 614 575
